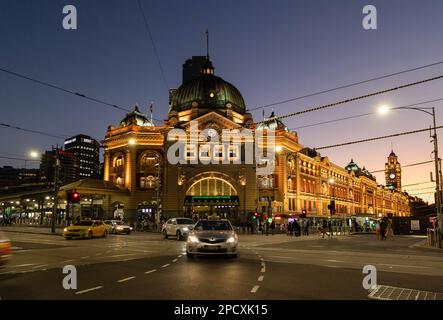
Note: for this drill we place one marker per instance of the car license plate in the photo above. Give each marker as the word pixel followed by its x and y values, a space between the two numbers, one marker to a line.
pixel 212 247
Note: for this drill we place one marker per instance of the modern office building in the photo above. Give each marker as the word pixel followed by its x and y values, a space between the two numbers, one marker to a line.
pixel 87 151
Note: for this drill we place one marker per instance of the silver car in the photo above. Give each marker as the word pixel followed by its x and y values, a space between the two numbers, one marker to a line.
pixel 178 227
pixel 212 237
pixel 5 249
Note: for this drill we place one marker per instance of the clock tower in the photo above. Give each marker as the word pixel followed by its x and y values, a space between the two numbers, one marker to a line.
pixel 393 172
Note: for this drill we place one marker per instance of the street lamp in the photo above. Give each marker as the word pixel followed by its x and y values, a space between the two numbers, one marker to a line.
pixel 383 110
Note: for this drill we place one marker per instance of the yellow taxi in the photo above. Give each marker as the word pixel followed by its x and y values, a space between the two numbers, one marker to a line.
pixel 86 229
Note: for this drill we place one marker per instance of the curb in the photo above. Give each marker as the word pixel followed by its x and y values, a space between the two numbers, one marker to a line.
pixel 33 232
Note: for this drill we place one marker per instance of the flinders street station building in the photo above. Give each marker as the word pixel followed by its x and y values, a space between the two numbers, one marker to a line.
pixel 139 180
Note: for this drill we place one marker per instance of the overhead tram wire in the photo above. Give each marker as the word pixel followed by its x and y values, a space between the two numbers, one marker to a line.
pixel 360 115
pixel 5 125
pixel 346 86
pixel 335 104
pixel 21 159
pixel 77 94
pixel 408 165
pixel 417 184
pixel 148 31
pixel 377 138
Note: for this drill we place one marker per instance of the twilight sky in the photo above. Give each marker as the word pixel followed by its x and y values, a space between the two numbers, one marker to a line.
pixel 271 50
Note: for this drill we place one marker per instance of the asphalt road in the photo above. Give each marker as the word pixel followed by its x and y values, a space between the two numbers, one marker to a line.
pixel 144 266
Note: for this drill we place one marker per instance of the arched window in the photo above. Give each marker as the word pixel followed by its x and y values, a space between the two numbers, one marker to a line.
pixel 118 169
pixel 148 173
pixel 211 186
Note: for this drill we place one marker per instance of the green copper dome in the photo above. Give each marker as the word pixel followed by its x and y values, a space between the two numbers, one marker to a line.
pixel 209 91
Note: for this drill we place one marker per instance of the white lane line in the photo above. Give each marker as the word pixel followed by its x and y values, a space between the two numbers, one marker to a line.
pixel 122 255
pixel 260 279
pixel 175 260
pixel 334 261
pixel 40 266
pixel 125 279
pixel 166 265
pixel 85 257
pixel 254 290
pixel 88 290
pixel 65 261
pixel 150 271
pixel 179 256
pixel 263 270
pixel 23 265
pixel 263 265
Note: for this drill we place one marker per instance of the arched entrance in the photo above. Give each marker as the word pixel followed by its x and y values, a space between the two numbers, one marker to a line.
pixel 212 194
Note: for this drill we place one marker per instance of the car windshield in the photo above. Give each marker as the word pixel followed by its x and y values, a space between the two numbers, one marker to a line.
pixel 213 225
pixel 119 223
pixel 185 221
pixel 84 223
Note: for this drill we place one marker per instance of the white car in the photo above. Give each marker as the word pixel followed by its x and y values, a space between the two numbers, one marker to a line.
pixel 178 227
pixel 212 237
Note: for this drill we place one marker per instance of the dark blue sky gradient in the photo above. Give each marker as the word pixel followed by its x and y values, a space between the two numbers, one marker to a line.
pixel 270 50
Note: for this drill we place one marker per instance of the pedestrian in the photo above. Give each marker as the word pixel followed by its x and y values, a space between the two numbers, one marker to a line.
pixel 307 227
pixel 377 230
pixel 330 228
pixel 290 228
pixel 272 226
pixel 260 227
pixel 267 227
pixel 389 230
pixel 383 226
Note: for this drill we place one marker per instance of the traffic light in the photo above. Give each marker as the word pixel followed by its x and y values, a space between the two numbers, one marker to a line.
pixel 303 214
pixel 74 197
pixel 331 207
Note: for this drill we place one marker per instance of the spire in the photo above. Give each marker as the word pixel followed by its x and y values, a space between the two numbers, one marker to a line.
pixel 207 67
pixel 207 44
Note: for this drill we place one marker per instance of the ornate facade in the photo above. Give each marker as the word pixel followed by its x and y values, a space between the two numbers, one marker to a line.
pixel 135 160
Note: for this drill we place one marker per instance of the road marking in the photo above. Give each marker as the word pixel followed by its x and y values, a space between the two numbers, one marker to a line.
pixel 260 279
pixel 263 265
pixel 23 265
pixel 40 266
pixel 179 256
pixel 334 261
pixel 122 255
pixel 150 271
pixel 67 261
pixel 175 260
pixel 166 265
pixel 254 290
pixel 85 257
pixel 125 279
pixel 88 290
pixel 263 270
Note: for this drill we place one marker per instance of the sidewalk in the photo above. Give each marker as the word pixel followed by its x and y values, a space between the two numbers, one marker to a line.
pixel 37 229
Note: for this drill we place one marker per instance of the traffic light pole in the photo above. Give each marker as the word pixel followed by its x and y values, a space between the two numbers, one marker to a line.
pixel 437 178
pixel 56 188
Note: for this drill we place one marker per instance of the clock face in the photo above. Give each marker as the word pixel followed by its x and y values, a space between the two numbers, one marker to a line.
pixel 392 176
pixel 212 133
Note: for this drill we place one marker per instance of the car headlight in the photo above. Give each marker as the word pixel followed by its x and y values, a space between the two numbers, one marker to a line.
pixel 185 229
pixel 65 230
pixel 193 239
pixel 231 240
pixel 130 228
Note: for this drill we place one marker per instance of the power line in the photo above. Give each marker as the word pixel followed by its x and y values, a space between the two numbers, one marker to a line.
pixel 420 189
pixel 361 115
pixel 423 193
pixel 408 165
pixel 330 105
pixel 11 158
pixel 417 184
pixel 148 30
pixel 78 94
pixel 346 86
pixel 376 138
pixel 32 131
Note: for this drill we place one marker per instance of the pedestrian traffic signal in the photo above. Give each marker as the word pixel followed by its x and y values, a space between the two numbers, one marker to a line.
pixel 331 207
pixel 73 197
pixel 303 214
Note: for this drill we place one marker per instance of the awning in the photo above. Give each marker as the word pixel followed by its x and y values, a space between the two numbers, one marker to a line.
pixel 212 201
